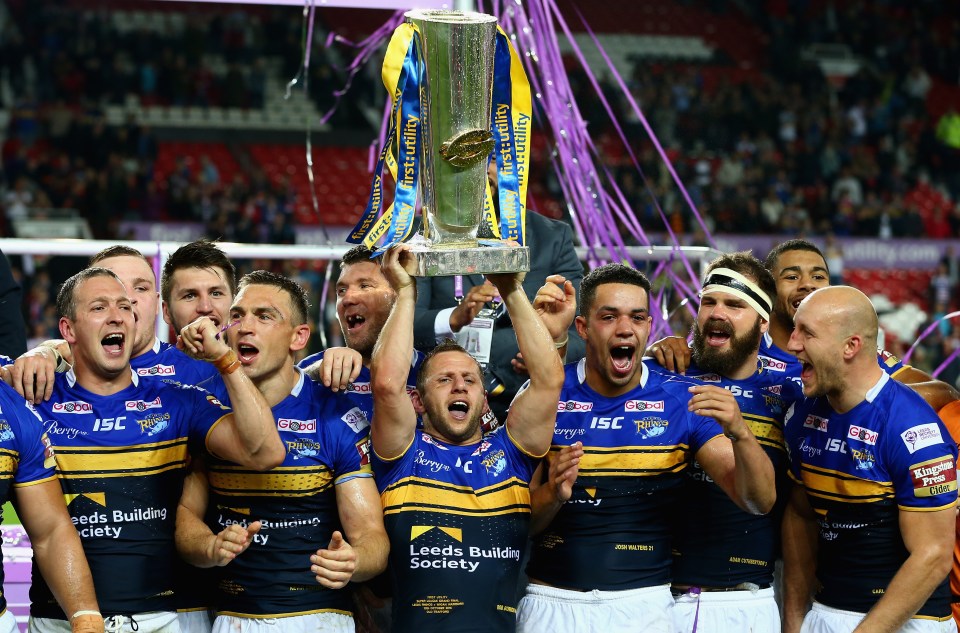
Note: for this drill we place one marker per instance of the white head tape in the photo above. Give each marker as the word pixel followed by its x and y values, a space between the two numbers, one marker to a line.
pixel 732 282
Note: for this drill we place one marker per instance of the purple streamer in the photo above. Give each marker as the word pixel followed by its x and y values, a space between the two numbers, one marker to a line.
pixel 946 361
pixel 927 332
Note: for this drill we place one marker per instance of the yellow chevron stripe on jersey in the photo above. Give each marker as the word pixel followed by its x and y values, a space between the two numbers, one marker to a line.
pixel 631 460
pixel 8 463
pixel 279 482
pixel 769 432
pixel 413 494
pixel 838 486
pixel 74 462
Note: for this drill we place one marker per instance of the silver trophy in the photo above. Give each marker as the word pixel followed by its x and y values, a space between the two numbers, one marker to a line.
pixel 456 141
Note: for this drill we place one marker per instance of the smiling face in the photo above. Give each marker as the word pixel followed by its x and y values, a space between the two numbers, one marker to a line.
pixel 452 399
pixel 364 301
pixel 615 328
pixel 797 273
pixel 726 335
pixel 266 335
pixel 138 278
pixel 102 328
pixel 197 292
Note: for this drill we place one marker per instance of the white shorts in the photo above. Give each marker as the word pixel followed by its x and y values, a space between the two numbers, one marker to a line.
pixel 310 623
pixel 150 622
pixel 823 619
pixel 565 611
pixel 195 621
pixel 727 612
pixel 8 622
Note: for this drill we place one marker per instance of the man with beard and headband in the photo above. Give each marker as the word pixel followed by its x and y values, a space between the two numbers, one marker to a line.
pixel 602 514
pixel 723 575
pixel 868 532
pixel 320 506
pixel 456 502
pixel 122 443
pixel 33 373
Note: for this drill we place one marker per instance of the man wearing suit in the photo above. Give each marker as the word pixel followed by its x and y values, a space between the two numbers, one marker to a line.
pixel 439 316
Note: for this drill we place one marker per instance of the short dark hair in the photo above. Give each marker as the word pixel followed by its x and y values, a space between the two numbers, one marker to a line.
pixel 609 274
pixel 356 255
pixel 118 250
pixel 747 265
pixel 448 345
pixel 298 296
pixel 790 245
pixel 201 253
pixel 66 296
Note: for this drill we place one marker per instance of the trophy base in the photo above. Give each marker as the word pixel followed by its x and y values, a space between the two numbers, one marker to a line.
pixel 478 260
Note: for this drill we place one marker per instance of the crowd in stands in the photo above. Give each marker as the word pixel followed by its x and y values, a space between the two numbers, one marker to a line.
pixel 779 149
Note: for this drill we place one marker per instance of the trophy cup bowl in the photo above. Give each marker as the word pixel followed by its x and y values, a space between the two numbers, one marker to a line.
pixel 456 97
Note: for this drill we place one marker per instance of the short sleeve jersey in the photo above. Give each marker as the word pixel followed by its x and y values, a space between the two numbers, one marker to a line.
pixel 327 441
pixel 458 518
pixel 890 453
pixel 25 456
pixel 717 544
pixel 359 390
pixel 615 531
pixel 121 460
pixel 164 360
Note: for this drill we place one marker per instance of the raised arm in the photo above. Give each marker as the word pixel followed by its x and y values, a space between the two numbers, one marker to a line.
pixel 58 552
pixel 738 464
pixel 32 373
pixel 533 412
pixel 394 418
pixel 799 529
pixel 929 538
pixel 247 436
pixel 361 553
pixel 196 542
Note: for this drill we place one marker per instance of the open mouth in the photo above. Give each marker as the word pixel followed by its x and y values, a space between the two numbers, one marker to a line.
pixel 718 334
pixel 112 344
pixel 622 357
pixel 459 409
pixel 246 352
pixel 355 321
pixel 806 371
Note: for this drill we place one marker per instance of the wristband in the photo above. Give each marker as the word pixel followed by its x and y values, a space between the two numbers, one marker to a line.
pixel 62 365
pixel 86 612
pixel 566 339
pixel 228 363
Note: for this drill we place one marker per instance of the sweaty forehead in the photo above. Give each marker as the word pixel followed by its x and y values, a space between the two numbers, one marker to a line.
pixel 257 297
pixel 622 297
pixel 196 276
pixel 352 273
pixel 452 362
pixel 128 267
pixel 805 260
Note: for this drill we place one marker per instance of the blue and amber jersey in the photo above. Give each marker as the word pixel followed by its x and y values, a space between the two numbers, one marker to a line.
pixel 5 360
pixel 615 531
pixel 778 360
pixel 327 440
pixel 25 456
pixel 164 360
pixel 890 453
pixel 121 460
pixel 359 390
pixel 458 518
pixel 716 544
